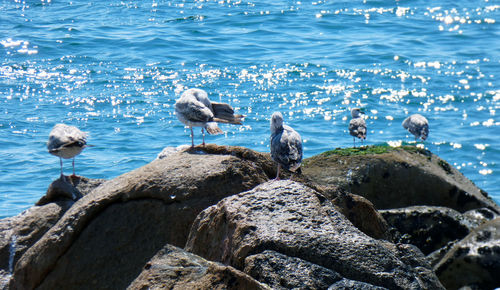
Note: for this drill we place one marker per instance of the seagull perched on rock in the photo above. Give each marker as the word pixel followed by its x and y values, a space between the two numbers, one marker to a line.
pixel 66 142
pixel 194 109
pixel 357 125
pixel 417 125
pixel 286 145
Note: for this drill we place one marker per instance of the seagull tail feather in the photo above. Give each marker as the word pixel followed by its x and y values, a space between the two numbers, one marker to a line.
pixel 224 113
pixel 213 129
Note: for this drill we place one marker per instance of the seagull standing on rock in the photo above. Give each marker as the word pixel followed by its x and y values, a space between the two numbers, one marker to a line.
pixel 286 145
pixel 66 142
pixel 417 125
pixel 357 126
pixel 194 109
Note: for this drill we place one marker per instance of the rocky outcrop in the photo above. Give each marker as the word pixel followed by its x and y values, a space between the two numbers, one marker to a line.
pixel 291 219
pixel 174 268
pixel 474 261
pixel 248 232
pixel 164 197
pixel 397 177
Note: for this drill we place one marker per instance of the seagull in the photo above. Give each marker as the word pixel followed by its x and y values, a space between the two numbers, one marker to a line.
pixel 66 142
pixel 286 145
pixel 194 109
pixel 357 126
pixel 417 125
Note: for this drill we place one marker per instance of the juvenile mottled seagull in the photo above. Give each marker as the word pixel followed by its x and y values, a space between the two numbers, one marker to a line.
pixel 357 126
pixel 66 142
pixel 417 125
pixel 194 109
pixel 286 145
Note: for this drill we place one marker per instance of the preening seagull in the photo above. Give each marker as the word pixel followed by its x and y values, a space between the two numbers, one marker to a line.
pixel 417 125
pixel 286 145
pixel 66 142
pixel 194 109
pixel 357 126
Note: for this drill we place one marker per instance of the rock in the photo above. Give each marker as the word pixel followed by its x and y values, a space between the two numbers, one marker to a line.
pixel 474 261
pixel 71 188
pixel 397 177
pixel 283 272
pixel 350 284
pixel 120 225
pixel 20 232
pixel 294 220
pixel 427 227
pixel 174 268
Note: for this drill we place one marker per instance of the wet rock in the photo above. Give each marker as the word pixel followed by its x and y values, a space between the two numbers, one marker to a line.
pixel 174 268
pixel 293 220
pixel 474 261
pixel 397 177
pixel 120 225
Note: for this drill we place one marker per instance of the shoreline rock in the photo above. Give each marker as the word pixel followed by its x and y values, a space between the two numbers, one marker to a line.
pixel 397 177
pixel 322 229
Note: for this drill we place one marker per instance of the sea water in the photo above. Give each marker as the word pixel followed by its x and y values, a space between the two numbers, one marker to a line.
pixel 115 68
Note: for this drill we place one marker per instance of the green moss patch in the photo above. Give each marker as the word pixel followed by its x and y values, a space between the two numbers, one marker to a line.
pixel 374 149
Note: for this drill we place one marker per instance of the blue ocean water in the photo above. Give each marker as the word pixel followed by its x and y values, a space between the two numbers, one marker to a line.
pixel 115 68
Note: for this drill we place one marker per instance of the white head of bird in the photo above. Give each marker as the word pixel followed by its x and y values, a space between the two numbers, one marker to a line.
pixel 276 122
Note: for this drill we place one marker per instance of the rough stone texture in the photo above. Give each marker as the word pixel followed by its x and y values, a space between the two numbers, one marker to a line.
pixel 121 224
pixel 399 178
pixel 474 261
pixel 20 232
pixel 346 284
pixel 294 220
pixel 174 268
pixel 427 227
pixel 283 272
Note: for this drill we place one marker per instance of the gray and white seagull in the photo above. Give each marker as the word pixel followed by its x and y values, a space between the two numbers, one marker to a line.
pixel 286 145
pixel 357 126
pixel 194 109
pixel 417 125
pixel 66 142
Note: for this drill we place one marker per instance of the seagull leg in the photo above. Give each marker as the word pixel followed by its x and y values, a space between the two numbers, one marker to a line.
pixel 278 173
pixel 203 134
pixel 73 167
pixel 60 161
pixel 354 141
pixel 192 137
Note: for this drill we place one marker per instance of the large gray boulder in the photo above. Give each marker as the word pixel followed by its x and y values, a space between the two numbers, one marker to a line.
pixel 107 236
pixel 174 268
pixel 293 220
pixel 397 177
pixel 474 261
